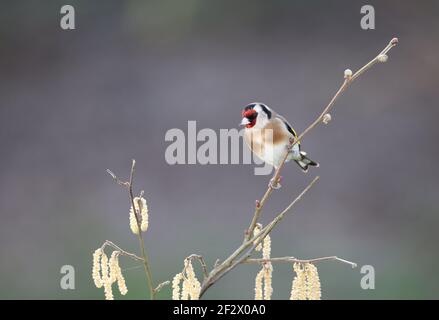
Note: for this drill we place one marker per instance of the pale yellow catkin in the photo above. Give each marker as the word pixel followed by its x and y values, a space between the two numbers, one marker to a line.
pixel 104 267
pixel 116 273
pixel 106 277
pixel 263 280
pixel 268 268
pixel 266 247
pixel 108 292
pixel 258 285
pixel 96 271
pixel 144 214
pixel 256 231
pixel 306 284
pixel 190 288
pixel 298 287
pixel 194 284
pixel 141 207
pixel 133 222
pixel 268 288
pixel 114 265
pixel 185 292
pixel 176 286
pixel 121 284
pixel 195 290
pixel 314 291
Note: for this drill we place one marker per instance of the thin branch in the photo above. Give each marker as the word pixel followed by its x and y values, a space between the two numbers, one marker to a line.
pixel 244 252
pixel 141 243
pixel 123 252
pixel 133 268
pixel 161 285
pixel 202 262
pixel 295 260
pixel 347 81
pixel 391 44
pixel 216 264
pixel 267 229
pixel 258 209
pixel 275 180
pixel 145 259
pixel 230 263
pixel 224 268
pixel 117 180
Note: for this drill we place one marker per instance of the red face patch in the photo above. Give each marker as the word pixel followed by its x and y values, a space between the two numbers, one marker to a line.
pixel 251 115
pixel 248 113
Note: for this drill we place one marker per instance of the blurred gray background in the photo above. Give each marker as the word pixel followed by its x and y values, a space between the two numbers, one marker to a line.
pixel 73 103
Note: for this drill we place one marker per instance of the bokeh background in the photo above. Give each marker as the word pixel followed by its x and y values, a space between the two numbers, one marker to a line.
pixel 73 103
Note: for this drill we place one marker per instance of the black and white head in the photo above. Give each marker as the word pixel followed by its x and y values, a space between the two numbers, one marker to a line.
pixel 256 115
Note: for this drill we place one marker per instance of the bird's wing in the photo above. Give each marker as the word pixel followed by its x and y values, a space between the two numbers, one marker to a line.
pixel 289 127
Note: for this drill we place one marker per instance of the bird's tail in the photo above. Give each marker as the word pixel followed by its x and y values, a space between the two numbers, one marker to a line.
pixel 304 162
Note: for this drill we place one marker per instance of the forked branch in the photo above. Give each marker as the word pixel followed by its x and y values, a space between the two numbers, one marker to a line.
pixel 243 254
pixel 146 264
pixel 250 244
pixel 348 79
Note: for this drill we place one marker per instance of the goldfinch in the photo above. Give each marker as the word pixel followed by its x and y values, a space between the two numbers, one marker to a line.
pixel 268 135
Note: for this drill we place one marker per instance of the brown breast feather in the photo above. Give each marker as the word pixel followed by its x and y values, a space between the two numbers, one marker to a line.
pixel 280 136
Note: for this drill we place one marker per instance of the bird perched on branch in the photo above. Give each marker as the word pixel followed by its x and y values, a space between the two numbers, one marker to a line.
pixel 268 135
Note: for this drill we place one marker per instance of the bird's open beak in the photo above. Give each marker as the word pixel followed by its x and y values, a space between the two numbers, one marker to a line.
pixel 244 122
